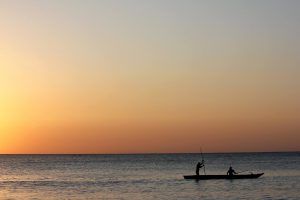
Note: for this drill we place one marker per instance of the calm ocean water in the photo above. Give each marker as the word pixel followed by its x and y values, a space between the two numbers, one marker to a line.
pixel 149 176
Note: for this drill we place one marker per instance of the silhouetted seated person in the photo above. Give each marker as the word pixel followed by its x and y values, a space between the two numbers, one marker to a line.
pixel 231 171
pixel 199 165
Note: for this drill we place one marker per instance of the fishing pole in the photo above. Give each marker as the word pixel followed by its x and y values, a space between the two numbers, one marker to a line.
pixel 244 171
pixel 203 161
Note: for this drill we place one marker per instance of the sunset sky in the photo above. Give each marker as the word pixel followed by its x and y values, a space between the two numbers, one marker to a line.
pixel 139 76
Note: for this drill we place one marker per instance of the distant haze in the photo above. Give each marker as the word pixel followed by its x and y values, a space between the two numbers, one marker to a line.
pixel 139 76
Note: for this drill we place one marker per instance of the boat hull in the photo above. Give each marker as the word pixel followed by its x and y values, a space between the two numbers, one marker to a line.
pixel 237 176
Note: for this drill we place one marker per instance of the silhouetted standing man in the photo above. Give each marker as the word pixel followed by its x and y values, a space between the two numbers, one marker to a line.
pixel 199 165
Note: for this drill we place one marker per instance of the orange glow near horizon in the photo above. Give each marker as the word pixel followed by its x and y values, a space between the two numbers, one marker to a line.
pixel 79 79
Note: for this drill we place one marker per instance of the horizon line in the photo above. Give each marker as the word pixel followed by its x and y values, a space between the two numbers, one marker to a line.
pixel 153 153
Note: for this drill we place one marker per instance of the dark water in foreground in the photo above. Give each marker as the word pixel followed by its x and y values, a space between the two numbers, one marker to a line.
pixel 157 176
